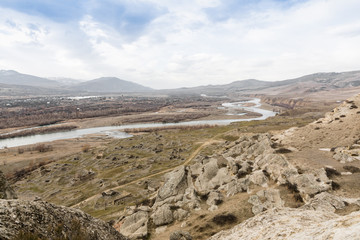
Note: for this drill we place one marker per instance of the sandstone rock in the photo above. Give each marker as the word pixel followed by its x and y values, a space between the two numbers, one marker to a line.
pixel 176 183
pixel 258 178
pixel 213 208
pixel 212 177
pixel 308 185
pixel 347 154
pixel 236 186
pixel 190 199
pixel 144 208
pixel 276 165
pixel 180 214
pixel 214 198
pixel 136 225
pixel 161 229
pixel 325 202
pixel 265 199
pixel 196 169
pixel 163 215
pixel 245 168
pixel 209 171
pixel 44 218
pixel 294 224
pixel 180 235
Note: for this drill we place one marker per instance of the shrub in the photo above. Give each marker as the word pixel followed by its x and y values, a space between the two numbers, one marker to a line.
pixel 223 219
pixel 335 185
pixel 21 150
pixel 330 172
pixel 43 148
pixel 352 169
pixel 85 148
pixel 282 150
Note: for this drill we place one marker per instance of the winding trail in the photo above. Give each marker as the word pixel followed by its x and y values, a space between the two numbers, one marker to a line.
pixel 190 158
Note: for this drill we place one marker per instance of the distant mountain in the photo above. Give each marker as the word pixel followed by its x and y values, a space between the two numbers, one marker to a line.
pixel 110 85
pixel 15 78
pixel 306 85
pixel 65 81
pixel 309 85
pixel 25 90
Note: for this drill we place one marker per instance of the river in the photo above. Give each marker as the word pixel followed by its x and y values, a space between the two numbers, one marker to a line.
pixel 114 130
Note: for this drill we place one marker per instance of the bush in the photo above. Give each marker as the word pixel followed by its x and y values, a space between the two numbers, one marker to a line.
pixel 282 150
pixel 21 150
pixel 43 148
pixel 335 185
pixel 352 169
pixel 330 172
pixel 85 148
pixel 223 219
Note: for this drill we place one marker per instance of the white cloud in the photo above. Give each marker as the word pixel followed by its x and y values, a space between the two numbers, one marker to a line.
pixel 183 47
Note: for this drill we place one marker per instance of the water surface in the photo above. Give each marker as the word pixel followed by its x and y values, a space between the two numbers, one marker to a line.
pixel 115 131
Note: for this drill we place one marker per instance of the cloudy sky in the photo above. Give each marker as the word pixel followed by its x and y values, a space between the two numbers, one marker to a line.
pixel 175 43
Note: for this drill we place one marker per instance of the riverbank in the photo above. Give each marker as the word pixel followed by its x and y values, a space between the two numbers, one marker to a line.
pixel 238 107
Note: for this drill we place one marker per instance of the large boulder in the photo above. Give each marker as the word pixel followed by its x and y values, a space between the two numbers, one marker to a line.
pixel 135 225
pixel 325 202
pixel 163 215
pixel 276 166
pixel 265 199
pixel 309 185
pixel 236 186
pixel 212 177
pixel 214 198
pixel 49 221
pixel 175 184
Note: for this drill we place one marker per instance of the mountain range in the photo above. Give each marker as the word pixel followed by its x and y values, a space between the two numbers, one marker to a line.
pixel 308 85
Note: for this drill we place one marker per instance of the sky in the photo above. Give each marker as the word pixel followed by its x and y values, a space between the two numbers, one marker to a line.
pixel 179 43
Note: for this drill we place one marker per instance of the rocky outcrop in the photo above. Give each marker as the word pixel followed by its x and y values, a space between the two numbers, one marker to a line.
pixel 49 221
pixel 265 199
pixel 325 202
pixel 348 154
pixel 6 191
pixel 175 184
pixel 136 225
pixel 309 184
pixel 242 166
pixel 163 215
pixel 288 223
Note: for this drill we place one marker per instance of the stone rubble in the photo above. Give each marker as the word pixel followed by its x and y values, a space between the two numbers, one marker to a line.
pixel 243 165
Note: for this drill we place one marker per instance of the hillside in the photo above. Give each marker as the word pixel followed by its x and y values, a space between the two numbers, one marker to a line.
pixel 306 86
pixel 320 86
pixel 12 90
pixel 41 220
pixel 200 182
pixel 110 85
pixel 14 78
pixel 331 143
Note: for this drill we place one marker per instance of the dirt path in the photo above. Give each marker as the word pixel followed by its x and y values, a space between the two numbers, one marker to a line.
pixel 190 158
